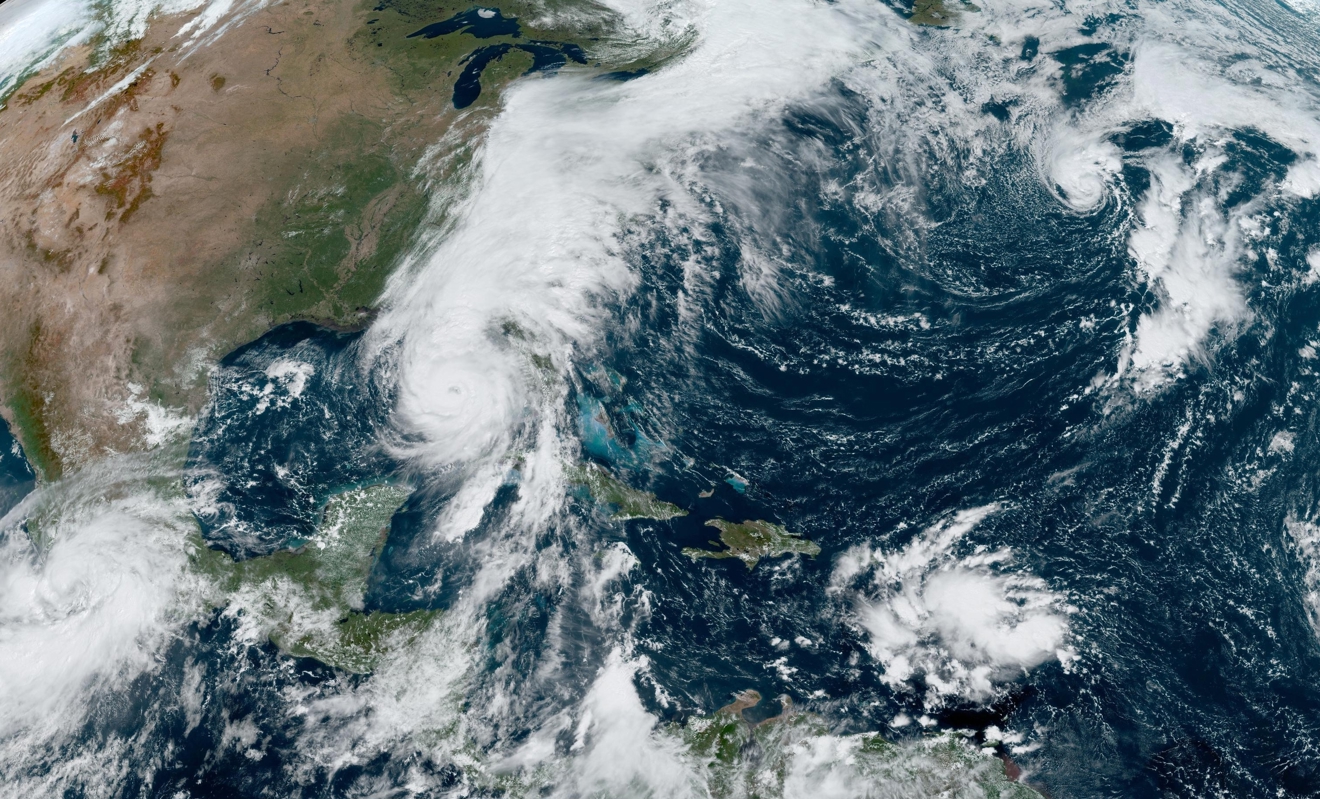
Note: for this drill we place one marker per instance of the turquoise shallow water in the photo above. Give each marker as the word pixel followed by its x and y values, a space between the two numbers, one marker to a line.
pixel 1038 376
pixel 1164 522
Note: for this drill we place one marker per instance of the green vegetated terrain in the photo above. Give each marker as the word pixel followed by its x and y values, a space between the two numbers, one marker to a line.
pixel 421 66
pixel 743 758
pixel 751 541
pixel 309 601
pixel 281 172
pixel 325 248
pixel 336 143
pixel 623 501
pixel 352 201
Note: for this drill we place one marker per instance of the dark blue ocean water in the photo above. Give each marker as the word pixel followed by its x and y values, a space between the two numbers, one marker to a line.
pixel 292 419
pixel 16 476
pixel 895 375
pixel 1199 665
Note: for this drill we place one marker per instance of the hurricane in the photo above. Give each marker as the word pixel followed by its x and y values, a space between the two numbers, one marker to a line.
pixel 660 398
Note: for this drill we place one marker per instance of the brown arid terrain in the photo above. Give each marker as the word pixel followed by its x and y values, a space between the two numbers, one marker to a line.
pixel 161 204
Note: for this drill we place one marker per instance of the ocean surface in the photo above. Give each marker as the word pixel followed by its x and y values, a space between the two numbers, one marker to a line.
pixel 1017 321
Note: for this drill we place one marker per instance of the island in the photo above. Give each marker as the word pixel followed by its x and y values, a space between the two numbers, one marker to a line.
pixel 752 540
pixel 623 501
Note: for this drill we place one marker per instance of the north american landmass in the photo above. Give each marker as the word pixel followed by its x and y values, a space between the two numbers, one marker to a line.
pixel 161 204
pixel 309 601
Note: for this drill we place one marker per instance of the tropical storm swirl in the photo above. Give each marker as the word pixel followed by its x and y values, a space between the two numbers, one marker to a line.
pixel 660 398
